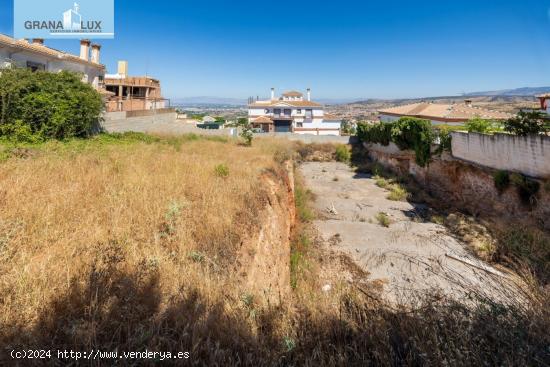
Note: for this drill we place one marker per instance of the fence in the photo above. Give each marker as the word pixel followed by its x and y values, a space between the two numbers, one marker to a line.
pixel 529 155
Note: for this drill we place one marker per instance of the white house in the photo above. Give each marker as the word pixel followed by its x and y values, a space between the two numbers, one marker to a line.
pixel 292 113
pixel 36 56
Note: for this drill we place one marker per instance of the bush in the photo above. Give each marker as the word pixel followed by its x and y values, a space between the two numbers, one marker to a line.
pixel 415 134
pixel 397 193
pixel 377 133
pixel 383 219
pixel 479 125
pixel 343 154
pixel 40 105
pixel 527 188
pixel 221 170
pixel 406 133
pixel 526 123
pixel 445 140
pixel 502 180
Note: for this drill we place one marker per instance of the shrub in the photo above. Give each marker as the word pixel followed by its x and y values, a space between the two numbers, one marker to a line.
pixel 527 188
pixel 221 170
pixel 343 154
pixel 246 132
pixel 406 133
pixel 502 180
pixel 377 133
pixel 479 125
pixel 383 219
pixel 397 193
pixel 526 123
pixel 38 106
pixel 445 140
pixel 302 198
pixel 381 182
pixel 415 134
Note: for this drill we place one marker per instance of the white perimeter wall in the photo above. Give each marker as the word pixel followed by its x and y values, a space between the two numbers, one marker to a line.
pixel 529 155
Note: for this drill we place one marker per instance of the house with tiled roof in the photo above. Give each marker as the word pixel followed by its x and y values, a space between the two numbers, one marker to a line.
pixel 291 112
pixel 37 56
pixel 544 100
pixel 449 114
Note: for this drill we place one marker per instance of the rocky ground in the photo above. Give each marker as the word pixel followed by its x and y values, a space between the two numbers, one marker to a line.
pixel 406 253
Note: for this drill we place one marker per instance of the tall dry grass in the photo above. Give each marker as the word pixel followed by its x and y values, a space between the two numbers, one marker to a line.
pixel 130 243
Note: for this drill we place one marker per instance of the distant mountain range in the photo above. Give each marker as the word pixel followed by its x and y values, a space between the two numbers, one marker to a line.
pixel 208 100
pixel 525 91
pixel 224 101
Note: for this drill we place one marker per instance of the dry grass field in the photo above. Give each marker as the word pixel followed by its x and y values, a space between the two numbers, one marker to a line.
pixel 130 243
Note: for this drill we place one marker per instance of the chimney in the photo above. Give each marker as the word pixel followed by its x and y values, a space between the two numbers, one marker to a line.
pixel 123 68
pixel 38 41
pixel 95 53
pixel 272 94
pixel 84 49
pixel 468 102
pixel 309 94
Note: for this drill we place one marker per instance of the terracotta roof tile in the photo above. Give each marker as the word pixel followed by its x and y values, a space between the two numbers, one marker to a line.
pixel 44 50
pixel 445 111
pixel 263 119
pixel 292 93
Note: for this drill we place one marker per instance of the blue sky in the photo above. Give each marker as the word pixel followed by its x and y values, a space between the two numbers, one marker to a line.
pixel 344 49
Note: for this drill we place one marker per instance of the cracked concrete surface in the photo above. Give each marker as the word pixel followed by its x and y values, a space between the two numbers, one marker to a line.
pixel 411 256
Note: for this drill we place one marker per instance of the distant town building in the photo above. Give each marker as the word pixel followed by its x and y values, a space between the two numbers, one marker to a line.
pixel 36 56
pixel 544 102
pixel 208 119
pixel 449 114
pixel 292 113
pixel 132 93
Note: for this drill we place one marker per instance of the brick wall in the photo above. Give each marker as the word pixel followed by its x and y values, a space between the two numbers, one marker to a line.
pixel 529 155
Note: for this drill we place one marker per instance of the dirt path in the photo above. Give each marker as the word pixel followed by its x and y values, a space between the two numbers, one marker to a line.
pixel 409 257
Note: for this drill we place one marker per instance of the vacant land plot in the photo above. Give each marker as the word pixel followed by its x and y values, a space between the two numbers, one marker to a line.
pixel 138 243
pixel 372 221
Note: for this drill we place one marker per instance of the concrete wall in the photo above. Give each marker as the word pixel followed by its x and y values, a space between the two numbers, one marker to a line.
pixel 307 138
pixel 164 124
pixel 529 155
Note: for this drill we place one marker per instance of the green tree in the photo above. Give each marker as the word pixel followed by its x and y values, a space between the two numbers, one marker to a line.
pixel 246 131
pixel 526 123
pixel 479 125
pixel 42 105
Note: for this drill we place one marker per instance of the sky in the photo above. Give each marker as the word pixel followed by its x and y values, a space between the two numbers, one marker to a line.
pixel 343 49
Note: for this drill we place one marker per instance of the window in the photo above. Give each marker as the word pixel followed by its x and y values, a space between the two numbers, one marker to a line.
pixel 277 111
pixel 287 112
pixel 299 124
pixel 299 111
pixel 266 111
pixel 309 112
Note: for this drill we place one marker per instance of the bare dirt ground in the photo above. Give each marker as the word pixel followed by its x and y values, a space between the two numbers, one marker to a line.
pixel 411 256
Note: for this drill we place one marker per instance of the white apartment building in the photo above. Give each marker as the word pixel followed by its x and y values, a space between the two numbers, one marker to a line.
pixel 292 113
pixel 36 56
